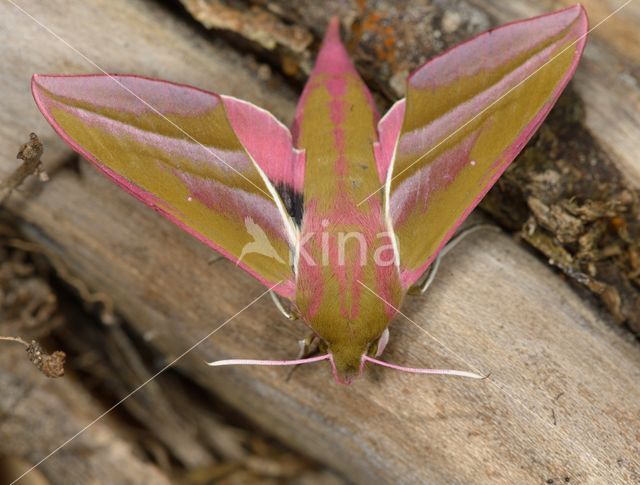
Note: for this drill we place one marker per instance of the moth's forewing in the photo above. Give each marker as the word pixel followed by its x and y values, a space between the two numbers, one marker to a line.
pixel 270 144
pixel 467 114
pixel 175 148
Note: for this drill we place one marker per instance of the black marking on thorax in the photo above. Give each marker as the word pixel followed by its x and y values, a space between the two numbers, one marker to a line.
pixel 293 201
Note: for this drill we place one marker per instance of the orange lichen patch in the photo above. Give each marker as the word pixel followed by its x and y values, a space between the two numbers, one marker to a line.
pixel 290 65
pixel 376 23
pixel 362 5
pixel 618 223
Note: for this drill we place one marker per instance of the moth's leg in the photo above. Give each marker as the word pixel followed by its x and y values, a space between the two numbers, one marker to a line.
pixel 377 348
pixel 309 346
pixel 290 313
pixel 425 281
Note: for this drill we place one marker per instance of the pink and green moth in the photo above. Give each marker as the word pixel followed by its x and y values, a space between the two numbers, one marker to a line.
pixel 232 175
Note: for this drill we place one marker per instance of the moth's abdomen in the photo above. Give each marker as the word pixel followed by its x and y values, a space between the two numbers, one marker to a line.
pixel 347 285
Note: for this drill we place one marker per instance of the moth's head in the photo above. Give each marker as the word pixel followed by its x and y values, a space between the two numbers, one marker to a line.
pixel 347 361
pixel 348 358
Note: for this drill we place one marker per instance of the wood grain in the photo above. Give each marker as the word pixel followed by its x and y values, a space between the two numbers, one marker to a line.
pixel 563 399
pixel 38 414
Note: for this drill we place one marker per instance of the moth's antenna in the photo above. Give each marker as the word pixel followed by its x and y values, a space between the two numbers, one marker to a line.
pixel 418 370
pixel 308 360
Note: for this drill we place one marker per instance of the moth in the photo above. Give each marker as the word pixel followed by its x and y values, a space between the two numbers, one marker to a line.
pixel 342 214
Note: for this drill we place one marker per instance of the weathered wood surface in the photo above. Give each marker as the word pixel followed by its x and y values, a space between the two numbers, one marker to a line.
pixel 37 414
pixel 563 399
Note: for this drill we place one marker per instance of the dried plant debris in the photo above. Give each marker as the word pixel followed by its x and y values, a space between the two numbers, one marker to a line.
pixel 51 365
pixel 27 303
pixel 30 154
pixel 569 201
